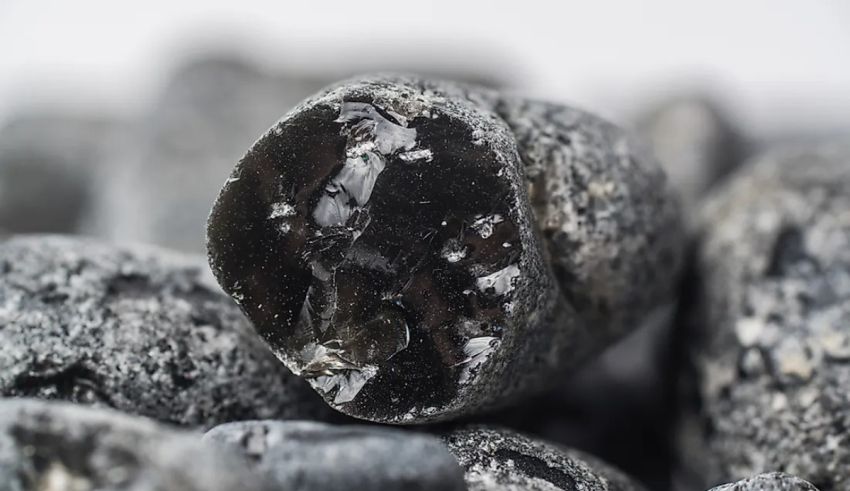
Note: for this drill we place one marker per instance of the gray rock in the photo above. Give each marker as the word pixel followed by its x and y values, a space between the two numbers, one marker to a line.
pixel 772 346
pixel 304 456
pixel 695 142
pixel 212 109
pixel 500 460
pixel 499 243
pixel 59 446
pixel 774 481
pixel 140 330
pixel 48 165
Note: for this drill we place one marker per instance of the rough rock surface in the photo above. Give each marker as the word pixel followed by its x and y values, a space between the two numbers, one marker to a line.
pixel 59 446
pixel 47 168
pixel 304 456
pixel 695 142
pixel 501 460
pixel 140 330
pixel 421 250
pixel 774 481
pixel 772 346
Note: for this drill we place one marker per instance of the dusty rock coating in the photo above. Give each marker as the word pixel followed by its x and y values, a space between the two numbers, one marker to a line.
pixel 773 348
pixel 142 331
pixel 421 250
pixel 774 481
pixel 500 460
pixel 59 446
pixel 303 456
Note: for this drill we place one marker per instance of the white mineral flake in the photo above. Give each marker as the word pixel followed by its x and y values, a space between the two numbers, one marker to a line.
pixel 477 351
pixel 748 330
pixel 414 155
pixel 281 210
pixel 499 283
pixel 484 225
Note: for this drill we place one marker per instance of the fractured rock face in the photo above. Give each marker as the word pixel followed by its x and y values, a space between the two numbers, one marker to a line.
pixel 498 459
pixel 382 239
pixel 773 349
pixel 298 455
pixel 774 481
pixel 140 330
pixel 58 446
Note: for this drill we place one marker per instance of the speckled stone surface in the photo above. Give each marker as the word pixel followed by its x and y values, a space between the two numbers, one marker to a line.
pixel 497 459
pixel 772 347
pixel 51 446
pixel 774 481
pixel 306 456
pixel 141 330
pixel 422 250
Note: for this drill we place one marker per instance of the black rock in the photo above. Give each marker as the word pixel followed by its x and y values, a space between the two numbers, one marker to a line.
pixel 774 481
pixel 771 343
pixel 48 165
pixel 382 238
pixel 140 330
pixel 499 459
pixel 59 446
pixel 314 456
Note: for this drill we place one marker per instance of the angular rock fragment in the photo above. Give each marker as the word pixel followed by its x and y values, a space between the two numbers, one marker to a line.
pixel 774 481
pixel 48 165
pixel 695 142
pixel 499 459
pixel 420 250
pixel 299 455
pixel 60 446
pixel 772 345
pixel 140 330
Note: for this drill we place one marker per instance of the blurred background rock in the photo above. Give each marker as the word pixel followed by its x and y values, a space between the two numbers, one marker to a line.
pixel 122 121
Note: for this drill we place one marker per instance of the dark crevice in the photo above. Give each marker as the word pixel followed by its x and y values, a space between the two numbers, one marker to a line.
pixel 537 468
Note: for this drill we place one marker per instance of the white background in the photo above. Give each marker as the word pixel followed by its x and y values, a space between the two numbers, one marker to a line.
pixel 782 65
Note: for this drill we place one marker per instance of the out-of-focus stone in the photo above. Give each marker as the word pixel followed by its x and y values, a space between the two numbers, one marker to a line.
pixel 774 481
pixel 302 456
pixel 771 344
pixel 62 447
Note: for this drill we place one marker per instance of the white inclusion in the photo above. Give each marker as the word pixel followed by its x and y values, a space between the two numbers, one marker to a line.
pixel 477 351
pixel 414 155
pixel 370 139
pixel 348 383
pixel 454 256
pixel 484 225
pixel 500 282
pixel 281 210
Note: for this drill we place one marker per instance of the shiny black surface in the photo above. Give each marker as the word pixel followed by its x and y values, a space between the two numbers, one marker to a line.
pixel 376 255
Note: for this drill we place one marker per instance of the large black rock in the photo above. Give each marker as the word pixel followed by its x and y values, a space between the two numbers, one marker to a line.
pixel 419 250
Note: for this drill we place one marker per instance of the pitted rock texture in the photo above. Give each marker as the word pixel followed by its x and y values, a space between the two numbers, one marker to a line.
pixel 498 459
pixel 58 446
pixel 772 346
pixel 141 330
pixel 305 456
pixel 422 250
pixel 774 481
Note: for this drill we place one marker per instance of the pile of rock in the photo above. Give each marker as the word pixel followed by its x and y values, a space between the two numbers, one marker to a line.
pixel 415 252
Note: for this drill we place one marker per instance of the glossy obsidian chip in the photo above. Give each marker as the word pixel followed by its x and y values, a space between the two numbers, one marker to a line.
pixel 375 252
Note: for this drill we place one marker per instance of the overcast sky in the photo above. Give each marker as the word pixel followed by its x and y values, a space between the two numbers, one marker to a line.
pixel 780 63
